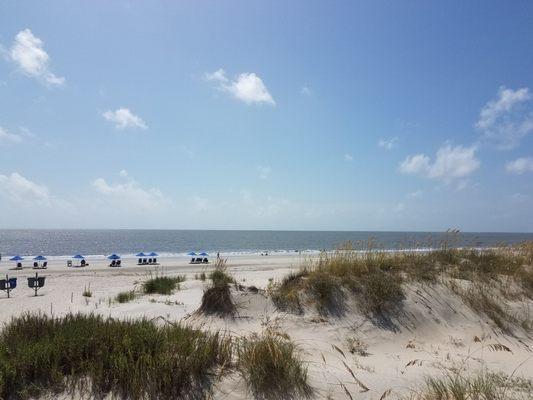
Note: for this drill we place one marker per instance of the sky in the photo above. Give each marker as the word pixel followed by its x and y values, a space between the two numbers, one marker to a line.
pixel 301 115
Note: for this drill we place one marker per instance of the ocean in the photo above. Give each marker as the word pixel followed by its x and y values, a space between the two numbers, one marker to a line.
pixel 63 243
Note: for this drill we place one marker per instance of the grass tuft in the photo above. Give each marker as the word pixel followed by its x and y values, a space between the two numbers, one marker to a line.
pixel 162 284
pixel 272 368
pixel 99 357
pixel 125 297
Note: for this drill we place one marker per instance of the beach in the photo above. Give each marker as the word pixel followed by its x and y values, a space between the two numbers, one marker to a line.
pixel 435 330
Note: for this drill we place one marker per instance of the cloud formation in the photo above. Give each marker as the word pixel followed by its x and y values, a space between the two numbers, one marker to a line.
pixel 520 165
pixel 28 53
pixel 264 172
pixel 450 163
pixel 7 137
pixel 21 190
pixel 506 120
pixel 246 87
pixel 123 118
pixel 130 194
pixel 388 144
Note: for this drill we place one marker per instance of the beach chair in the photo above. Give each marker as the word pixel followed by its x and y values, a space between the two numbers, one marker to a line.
pixel 19 265
pixel 140 261
pixel 155 260
pixel 45 265
pixel 113 263
pixel 145 261
pixel 69 263
pixel 119 262
pixel 8 284
pixel 149 261
pixel 84 263
pixel 35 265
pixel 192 261
pixel 205 261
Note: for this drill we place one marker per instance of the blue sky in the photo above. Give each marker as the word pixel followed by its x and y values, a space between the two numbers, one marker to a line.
pixel 368 115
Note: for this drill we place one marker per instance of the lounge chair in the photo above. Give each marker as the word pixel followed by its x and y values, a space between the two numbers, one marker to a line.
pixel 155 261
pixel 84 263
pixel 205 261
pixel 19 265
pixel 149 261
pixel 145 261
pixel 140 261
pixel 45 265
pixel 69 263
pixel 118 263
pixel 192 261
pixel 113 263
pixel 35 265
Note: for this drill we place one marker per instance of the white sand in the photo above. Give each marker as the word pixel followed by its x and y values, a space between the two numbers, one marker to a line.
pixel 435 328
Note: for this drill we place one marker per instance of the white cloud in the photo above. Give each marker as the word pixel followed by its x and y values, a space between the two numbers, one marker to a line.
pixel 306 91
pixel 7 137
pixel 123 118
pixel 348 157
pixel 20 190
pixel 247 87
pixel 520 165
pixel 123 173
pixel 28 53
pixel 388 144
pixel 505 120
pixel 416 194
pixel 130 194
pixel 450 163
pixel 264 172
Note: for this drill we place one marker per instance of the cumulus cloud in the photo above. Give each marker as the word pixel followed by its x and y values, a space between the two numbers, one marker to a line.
pixel 21 190
pixel 388 144
pixel 7 137
pixel 348 157
pixel 450 163
pixel 264 172
pixel 28 53
pixel 246 87
pixel 123 118
pixel 506 120
pixel 129 194
pixel 520 165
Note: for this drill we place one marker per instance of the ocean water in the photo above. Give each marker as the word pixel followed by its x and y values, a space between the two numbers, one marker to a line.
pixel 58 243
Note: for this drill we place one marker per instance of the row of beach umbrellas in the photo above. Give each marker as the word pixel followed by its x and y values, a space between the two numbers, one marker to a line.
pixel 111 257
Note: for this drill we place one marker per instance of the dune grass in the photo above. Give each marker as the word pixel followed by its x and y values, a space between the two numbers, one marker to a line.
pixel 125 297
pixel 97 357
pixel 162 284
pixel 271 367
pixel 482 385
pixel 375 278
pixel 217 298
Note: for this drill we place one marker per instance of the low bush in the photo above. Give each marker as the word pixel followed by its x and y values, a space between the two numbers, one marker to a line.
pixel 125 297
pixel 162 284
pixel 272 368
pixel 99 357
pixel 217 300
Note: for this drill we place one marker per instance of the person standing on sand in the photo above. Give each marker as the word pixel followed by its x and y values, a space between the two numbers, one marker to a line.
pixel 218 255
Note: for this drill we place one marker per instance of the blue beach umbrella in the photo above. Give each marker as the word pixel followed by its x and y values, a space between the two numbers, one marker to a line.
pixel 114 257
pixel 40 258
pixel 192 253
pixel 16 258
pixel 78 257
pixel 203 254
pixel 141 254
pixel 153 254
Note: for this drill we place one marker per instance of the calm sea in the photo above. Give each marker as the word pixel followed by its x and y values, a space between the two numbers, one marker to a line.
pixel 179 242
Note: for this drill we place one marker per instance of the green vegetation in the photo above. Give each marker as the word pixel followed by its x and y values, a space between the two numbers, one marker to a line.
pixel 98 357
pixel 272 368
pixel 219 276
pixel 162 284
pixel 375 278
pixel 87 292
pixel 481 386
pixel 125 297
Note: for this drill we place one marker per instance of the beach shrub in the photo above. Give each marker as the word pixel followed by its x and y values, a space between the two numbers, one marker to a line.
pixel 217 300
pixel 125 297
pixel 271 367
pixel 99 357
pixel 286 294
pixel 380 292
pixel 326 292
pixel 162 284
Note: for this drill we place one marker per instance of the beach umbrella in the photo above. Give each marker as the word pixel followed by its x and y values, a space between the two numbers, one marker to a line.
pixel 192 253
pixel 152 254
pixel 78 257
pixel 141 254
pixel 203 254
pixel 40 258
pixel 16 258
pixel 114 257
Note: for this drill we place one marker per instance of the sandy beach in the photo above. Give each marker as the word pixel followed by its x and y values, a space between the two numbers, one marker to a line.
pixel 433 332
